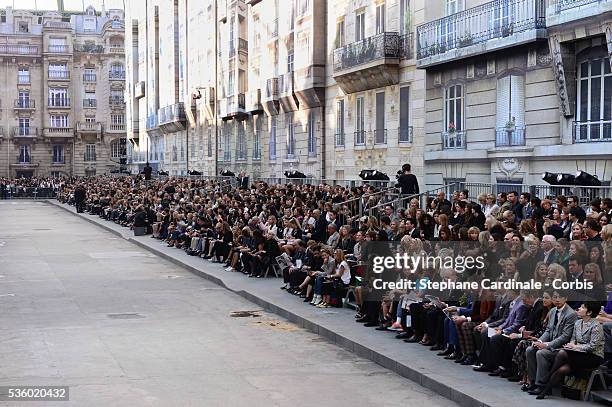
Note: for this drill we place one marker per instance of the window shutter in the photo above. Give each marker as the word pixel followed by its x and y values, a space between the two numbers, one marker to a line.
pixel 503 101
pixel 517 100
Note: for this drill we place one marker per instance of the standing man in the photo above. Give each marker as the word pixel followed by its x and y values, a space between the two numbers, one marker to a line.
pixel 407 182
pixel 147 170
pixel 80 195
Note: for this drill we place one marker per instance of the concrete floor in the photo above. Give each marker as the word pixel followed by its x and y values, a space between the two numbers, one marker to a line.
pixel 122 327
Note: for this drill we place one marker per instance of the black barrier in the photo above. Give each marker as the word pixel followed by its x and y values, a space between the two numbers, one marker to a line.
pixel 26 192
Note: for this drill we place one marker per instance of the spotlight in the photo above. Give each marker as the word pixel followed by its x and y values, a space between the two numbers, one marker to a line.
pixel 566 179
pixel 294 174
pixel 585 179
pixel 227 173
pixel 549 178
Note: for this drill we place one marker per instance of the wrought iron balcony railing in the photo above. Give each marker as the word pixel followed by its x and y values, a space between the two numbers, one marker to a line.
pixel 339 139
pixel 496 19
pixel 508 137
pixel 406 46
pixel 25 103
pixel 380 136
pixel 404 135
pixel 594 131
pixel 359 137
pixel 380 46
pixel 90 103
pixel 455 140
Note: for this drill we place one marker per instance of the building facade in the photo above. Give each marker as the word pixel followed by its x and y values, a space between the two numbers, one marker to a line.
pixel 260 92
pixel 516 88
pixel 63 109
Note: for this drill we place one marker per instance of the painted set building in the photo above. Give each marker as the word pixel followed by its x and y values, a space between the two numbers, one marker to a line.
pixel 464 90
pixel 62 92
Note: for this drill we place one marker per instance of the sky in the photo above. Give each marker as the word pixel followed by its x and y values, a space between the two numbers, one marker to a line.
pixel 68 4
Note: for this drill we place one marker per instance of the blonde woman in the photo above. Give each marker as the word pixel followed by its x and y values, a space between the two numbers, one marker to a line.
pixel 342 273
pixel 490 207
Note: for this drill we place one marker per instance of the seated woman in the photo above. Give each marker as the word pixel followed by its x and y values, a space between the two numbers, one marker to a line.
pixel 584 351
pixel 291 235
pixel 242 243
pixel 315 278
pixel 342 274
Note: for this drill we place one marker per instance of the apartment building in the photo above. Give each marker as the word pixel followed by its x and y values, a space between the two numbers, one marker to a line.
pixel 62 95
pixel 515 88
pixel 267 86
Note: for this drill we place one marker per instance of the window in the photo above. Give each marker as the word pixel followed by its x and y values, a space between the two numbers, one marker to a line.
pixel 90 119
pixel 290 135
pixel 24 154
pixel 360 26
pixel 405 130
pixel 57 45
pixel 449 28
pixel 230 84
pixel 58 154
pixel 454 108
pixel 90 99
pixel 510 119
pixel 340 41
pixel 58 97
pixel 58 71
pixel 24 99
pixel 405 17
pixel 89 75
pixel 241 147
pixel 290 58
pixel 380 18
pixel 340 123
pixel 90 152
pixel 272 140
pixel 359 122
pixel 23 75
pixel 312 140
pixel 303 7
pixel 23 27
pixel 594 101
pixel 381 132
pixel 210 143
pixel 24 127
pixel 89 24
pixel 257 140
pixel 58 121
pixel 117 150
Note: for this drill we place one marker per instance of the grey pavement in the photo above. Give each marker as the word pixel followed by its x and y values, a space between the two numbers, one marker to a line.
pixel 83 307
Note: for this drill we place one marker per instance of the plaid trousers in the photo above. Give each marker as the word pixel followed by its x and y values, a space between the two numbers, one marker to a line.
pixel 466 338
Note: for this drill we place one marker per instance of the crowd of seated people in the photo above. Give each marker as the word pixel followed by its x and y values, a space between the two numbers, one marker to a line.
pixel 33 187
pixel 321 246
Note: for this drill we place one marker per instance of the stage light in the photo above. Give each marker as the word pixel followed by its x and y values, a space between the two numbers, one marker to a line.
pixel 566 179
pixel 585 179
pixel 549 178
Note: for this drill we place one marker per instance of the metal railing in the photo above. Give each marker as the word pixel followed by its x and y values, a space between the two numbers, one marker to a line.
pixel 23 78
pixel 380 136
pixel 59 74
pixel 455 140
pixel 116 75
pixel 406 46
pixel 116 100
pixel 19 192
pixel 508 137
pixel 380 46
pixel 562 5
pixel 89 77
pixel 403 201
pixel 496 19
pixel 359 205
pixel 25 104
pixel 59 102
pixel 359 137
pixel 595 131
pixel 339 139
pixel 404 135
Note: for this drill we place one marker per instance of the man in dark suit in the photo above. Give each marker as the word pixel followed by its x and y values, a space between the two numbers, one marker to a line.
pixel 147 170
pixel 541 355
pixel 411 229
pixel 80 194
pixel 243 181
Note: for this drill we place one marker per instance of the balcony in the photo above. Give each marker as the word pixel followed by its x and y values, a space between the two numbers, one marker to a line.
pixel 367 64
pixel 89 77
pixel 380 136
pixel 116 101
pixel 339 139
pixel 253 101
pixel 309 86
pixel 116 50
pixel 89 128
pixel 510 137
pixel 59 49
pixel 243 46
pixel 59 75
pixel 359 138
pixel 59 132
pixel 117 128
pixel 456 140
pixel 404 135
pixel 90 103
pixel 235 106
pixel 116 75
pixel 59 103
pixel 270 97
pixel 172 118
pixel 23 132
pixel 286 96
pixel 89 48
pixel 8 49
pixel 23 79
pixel 479 30
pixel 593 132
pixel 407 46
pixel 567 11
pixel 24 104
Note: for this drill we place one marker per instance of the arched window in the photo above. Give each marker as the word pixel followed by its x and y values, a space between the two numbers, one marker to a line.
pixel 594 100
